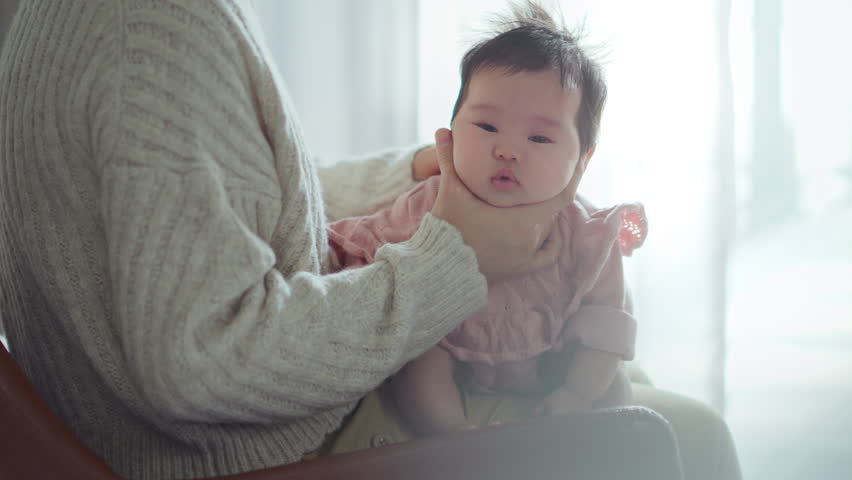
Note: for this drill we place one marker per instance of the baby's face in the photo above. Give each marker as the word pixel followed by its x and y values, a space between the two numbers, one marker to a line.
pixel 515 141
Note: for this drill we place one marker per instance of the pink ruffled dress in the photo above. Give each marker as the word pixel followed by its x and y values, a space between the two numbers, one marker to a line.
pixel 582 298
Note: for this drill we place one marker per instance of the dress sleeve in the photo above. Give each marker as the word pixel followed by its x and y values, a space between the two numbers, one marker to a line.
pixel 605 319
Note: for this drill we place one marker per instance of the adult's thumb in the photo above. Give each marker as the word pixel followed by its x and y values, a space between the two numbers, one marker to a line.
pixel 444 148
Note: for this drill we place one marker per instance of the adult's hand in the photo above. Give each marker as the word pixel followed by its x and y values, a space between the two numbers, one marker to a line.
pixel 507 241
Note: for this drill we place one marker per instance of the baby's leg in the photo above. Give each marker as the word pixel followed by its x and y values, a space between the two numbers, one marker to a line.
pixel 427 394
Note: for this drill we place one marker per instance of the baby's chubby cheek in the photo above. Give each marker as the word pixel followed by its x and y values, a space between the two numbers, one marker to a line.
pixel 464 170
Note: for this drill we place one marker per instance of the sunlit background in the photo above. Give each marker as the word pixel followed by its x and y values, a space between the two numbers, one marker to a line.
pixel 730 120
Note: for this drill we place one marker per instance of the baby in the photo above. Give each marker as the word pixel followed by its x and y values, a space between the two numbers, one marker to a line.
pixel 524 125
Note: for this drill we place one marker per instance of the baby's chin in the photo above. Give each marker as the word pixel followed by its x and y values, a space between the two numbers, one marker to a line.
pixel 499 199
pixel 501 203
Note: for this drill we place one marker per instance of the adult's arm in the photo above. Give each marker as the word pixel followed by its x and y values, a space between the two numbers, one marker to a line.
pixel 210 213
pixel 362 185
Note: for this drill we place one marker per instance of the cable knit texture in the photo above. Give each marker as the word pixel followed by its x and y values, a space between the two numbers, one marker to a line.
pixel 163 254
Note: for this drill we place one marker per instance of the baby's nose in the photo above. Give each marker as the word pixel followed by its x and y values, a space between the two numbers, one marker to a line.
pixel 506 152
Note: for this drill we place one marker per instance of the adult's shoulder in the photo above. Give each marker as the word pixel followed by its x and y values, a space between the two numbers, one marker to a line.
pixel 191 26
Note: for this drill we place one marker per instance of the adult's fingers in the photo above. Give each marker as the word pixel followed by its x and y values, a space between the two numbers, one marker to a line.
pixel 446 207
pixel 450 184
pixel 444 147
pixel 571 190
pixel 567 195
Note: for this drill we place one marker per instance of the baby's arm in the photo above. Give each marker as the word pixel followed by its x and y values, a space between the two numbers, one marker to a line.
pixel 356 240
pixel 427 395
pixel 604 332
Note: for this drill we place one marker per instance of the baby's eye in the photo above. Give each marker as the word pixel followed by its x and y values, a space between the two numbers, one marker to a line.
pixel 540 139
pixel 487 127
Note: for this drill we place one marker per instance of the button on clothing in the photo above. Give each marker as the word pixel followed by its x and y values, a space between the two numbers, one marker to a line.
pixel 379 440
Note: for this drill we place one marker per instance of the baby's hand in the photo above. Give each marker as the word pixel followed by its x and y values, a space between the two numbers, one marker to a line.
pixel 564 402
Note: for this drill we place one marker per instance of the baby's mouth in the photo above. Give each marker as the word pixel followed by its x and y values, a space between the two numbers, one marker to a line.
pixel 505 180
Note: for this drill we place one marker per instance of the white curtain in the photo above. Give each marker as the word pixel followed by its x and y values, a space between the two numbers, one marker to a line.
pixel 350 69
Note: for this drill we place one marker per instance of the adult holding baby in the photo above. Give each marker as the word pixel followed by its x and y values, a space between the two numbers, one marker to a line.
pixel 163 257
pixel 163 247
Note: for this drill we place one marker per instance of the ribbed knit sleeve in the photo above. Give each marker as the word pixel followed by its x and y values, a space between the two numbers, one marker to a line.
pixel 214 332
pixel 218 321
pixel 362 185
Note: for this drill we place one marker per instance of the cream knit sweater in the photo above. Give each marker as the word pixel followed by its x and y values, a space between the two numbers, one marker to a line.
pixel 163 253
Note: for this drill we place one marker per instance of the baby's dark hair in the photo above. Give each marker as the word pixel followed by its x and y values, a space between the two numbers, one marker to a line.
pixel 529 40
